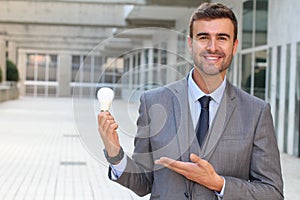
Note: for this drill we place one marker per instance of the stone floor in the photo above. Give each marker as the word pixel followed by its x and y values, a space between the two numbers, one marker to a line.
pixel 43 157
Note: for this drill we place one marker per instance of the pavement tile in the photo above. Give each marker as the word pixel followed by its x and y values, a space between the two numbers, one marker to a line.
pixel 42 156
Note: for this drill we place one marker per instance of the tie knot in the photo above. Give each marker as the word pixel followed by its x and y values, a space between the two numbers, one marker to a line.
pixel 204 101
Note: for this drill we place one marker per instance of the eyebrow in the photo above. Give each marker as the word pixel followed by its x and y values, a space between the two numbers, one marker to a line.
pixel 219 34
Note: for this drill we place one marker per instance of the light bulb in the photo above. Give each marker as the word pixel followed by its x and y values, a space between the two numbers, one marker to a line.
pixel 105 96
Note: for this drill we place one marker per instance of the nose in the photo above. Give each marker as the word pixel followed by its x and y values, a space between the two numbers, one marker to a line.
pixel 211 46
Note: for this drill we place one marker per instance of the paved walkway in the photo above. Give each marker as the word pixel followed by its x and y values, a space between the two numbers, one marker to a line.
pixel 42 157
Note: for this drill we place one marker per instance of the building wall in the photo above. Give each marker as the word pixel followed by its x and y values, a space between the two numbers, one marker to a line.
pixel 3 58
pixel 161 59
pixel 284 48
pixel 284 22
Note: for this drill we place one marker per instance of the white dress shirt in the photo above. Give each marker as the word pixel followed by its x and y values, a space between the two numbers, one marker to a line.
pixel 195 93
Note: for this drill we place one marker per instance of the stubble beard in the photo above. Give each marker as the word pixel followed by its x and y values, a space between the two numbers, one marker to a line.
pixel 210 69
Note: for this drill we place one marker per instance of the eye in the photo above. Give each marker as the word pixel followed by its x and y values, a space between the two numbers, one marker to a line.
pixel 223 38
pixel 203 37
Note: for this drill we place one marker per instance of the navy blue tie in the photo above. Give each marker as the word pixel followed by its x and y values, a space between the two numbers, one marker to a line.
pixel 203 122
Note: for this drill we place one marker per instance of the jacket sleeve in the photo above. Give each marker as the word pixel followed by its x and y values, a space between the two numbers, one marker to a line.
pixel 265 170
pixel 138 172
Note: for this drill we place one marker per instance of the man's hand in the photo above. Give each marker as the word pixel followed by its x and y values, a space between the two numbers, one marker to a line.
pixel 107 127
pixel 199 171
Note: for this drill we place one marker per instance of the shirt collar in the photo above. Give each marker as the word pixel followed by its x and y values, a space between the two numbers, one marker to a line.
pixel 197 93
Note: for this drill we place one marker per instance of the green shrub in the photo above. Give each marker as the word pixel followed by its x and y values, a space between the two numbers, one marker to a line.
pixel 0 75
pixel 12 73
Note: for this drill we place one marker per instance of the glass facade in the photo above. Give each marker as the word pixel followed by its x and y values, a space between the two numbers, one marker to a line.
pixel 255 23
pixel 260 74
pixel 254 52
pixel 88 71
pixel 246 72
pixel 41 75
pixel 248 14
pixel 261 22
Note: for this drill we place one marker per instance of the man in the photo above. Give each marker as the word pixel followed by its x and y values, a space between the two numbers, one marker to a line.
pixel 178 157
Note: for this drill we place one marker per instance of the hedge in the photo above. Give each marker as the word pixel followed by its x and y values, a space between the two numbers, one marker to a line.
pixel 12 73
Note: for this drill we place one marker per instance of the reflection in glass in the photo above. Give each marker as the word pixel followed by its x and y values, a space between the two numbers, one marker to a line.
pixel 261 22
pixel 260 74
pixel 75 66
pixel 30 67
pixel 246 72
pixel 52 67
pixel 41 71
pixel 98 62
pixel 87 68
pixel 247 24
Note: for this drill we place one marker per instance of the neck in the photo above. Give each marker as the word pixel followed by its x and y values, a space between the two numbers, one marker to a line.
pixel 208 83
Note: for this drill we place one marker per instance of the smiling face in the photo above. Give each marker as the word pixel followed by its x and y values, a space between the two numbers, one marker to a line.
pixel 212 46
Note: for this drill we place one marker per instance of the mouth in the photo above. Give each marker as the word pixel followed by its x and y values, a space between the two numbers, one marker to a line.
pixel 212 58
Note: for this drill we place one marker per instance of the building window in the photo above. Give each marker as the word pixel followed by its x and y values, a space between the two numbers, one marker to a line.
pixel 255 23
pixel 163 53
pixel 75 67
pixel 254 35
pixel 41 75
pixel 87 71
pixel 261 22
pixel 181 46
pixel 247 24
pixel 260 74
pixel 246 72
pixel 52 68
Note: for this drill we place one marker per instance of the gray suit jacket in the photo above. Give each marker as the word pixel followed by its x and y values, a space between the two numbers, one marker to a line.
pixel 241 145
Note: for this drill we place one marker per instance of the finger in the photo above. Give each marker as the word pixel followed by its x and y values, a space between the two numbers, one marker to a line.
pixel 172 164
pixel 164 161
pixel 104 121
pixel 183 168
pixel 194 158
pixel 103 116
pixel 109 127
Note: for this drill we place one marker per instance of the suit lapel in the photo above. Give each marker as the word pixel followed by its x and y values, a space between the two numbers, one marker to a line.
pixel 222 117
pixel 184 125
pixel 185 132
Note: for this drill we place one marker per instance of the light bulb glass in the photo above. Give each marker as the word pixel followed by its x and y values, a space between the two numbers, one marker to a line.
pixel 105 96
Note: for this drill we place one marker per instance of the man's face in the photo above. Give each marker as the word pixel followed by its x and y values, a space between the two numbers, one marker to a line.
pixel 212 45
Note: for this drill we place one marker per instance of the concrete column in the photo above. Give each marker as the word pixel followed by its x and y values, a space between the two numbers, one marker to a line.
pixel 281 113
pixel 291 109
pixel 12 52
pixel 64 75
pixel 22 71
pixel 130 84
pixel 171 57
pixel 150 66
pixel 136 71
pixel 3 58
pixel 142 68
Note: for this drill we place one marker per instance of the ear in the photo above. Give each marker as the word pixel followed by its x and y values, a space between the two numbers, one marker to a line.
pixel 190 43
pixel 235 46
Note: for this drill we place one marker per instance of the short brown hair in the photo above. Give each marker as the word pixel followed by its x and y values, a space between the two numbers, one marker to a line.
pixel 213 11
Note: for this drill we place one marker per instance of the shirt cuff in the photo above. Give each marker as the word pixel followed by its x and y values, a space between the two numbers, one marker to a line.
pixel 221 194
pixel 118 169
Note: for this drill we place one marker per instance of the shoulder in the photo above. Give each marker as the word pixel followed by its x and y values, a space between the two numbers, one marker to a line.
pixel 166 90
pixel 244 98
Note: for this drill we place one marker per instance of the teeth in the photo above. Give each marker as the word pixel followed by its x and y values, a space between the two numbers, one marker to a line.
pixel 212 58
